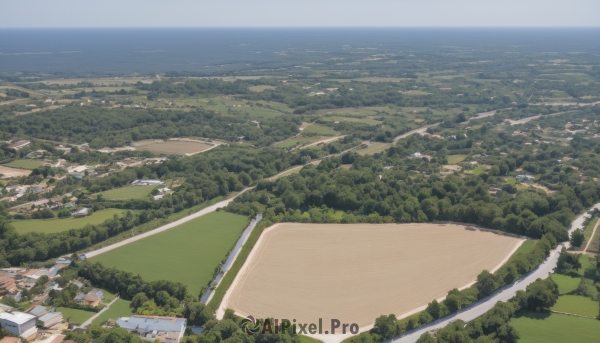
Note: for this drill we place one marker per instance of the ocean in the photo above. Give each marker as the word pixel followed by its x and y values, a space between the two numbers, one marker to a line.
pixel 221 51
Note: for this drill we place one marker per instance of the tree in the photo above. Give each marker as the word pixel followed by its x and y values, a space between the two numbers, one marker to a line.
pixel 486 284
pixel 542 294
pixel 567 263
pixel 577 238
pixel 386 326
pixel 437 310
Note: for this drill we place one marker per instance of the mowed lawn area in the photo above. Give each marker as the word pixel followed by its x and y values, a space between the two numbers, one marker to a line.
pixel 129 192
pixel 544 327
pixel 59 225
pixel 119 308
pixel 568 283
pixel 188 253
pixel 576 304
pixel 75 316
pixel 25 164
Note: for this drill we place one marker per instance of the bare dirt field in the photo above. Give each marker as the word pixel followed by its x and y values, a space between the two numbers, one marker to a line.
pixel 13 172
pixel 357 272
pixel 177 147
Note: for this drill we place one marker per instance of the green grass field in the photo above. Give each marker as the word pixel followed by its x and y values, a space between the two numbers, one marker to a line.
pixel 188 253
pixel 59 225
pixel 587 232
pixel 511 181
pixel 545 328
pixel 319 130
pixel 76 316
pixel 568 283
pixel 576 304
pixel 306 339
pixel 288 143
pixel 260 88
pixel 373 148
pixel 595 243
pixel 524 248
pixel 454 159
pixel 119 308
pixel 129 192
pixel 352 120
pixel 25 164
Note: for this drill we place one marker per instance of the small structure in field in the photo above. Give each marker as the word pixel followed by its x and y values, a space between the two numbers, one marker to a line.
pixel 19 144
pixel 147 182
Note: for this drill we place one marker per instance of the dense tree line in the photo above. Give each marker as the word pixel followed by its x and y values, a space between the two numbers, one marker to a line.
pixel 122 126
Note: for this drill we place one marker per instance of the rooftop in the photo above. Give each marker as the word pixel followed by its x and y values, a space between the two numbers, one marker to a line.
pixel 153 323
pixel 17 317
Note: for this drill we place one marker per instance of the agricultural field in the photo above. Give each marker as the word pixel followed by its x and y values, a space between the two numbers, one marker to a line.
pixel 587 232
pixel 318 130
pixel 8 172
pixel 373 148
pixel 25 164
pixel 119 308
pixel 260 88
pixel 546 327
pixel 129 192
pixel 594 246
pixel 301 140
pixel 568 283
pixel 59 225
pixel 172 147
pixel 368 263
pixel 188 253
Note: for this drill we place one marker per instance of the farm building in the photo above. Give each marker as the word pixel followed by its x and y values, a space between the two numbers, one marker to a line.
pixel 19 144
pixel 524 178
pixel 146 182
pixel 19 323
pixel 82 212
pixel 166 329
pixel 7 285
pixel 50 318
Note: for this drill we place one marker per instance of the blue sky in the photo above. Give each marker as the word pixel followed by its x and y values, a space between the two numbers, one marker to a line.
pixel 295 13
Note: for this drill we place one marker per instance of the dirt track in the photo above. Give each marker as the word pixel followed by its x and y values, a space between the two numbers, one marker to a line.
pixel 358 272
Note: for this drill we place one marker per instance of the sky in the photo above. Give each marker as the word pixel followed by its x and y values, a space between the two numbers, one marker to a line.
pixel 299 13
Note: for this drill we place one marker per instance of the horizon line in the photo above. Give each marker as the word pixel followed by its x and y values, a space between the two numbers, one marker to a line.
pixel 299 27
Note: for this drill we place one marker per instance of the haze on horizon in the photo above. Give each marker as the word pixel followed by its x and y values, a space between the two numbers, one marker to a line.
pixel 307 13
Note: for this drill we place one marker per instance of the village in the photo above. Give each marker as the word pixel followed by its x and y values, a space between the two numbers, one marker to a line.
pixel 37 320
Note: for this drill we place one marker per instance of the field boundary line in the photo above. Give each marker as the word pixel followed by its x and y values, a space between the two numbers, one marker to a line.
pixel 592 236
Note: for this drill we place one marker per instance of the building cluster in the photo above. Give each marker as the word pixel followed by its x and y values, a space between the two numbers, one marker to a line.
pixel 165 329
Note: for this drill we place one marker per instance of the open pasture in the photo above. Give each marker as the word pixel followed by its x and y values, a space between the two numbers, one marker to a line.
pixel 356 272
pixel 374 148
pixel 25 164
pixel 172 147
pixel 576 304
pixel 545 327
pixel 59 225
pixel 8 172
pixel 188 253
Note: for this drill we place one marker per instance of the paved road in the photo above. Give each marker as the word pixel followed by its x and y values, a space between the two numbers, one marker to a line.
pixel 479 308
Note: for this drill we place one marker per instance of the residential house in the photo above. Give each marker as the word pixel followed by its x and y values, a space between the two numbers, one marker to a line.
pixel 51 318
pixel 7 285
pixel 38 311
pixel 91 298
pixel 166 329
pixel 64 260
pixel 9 339
pixel 159 197
pixel 12 271
pixel 19 323
pixel 78 283
pixel 36 189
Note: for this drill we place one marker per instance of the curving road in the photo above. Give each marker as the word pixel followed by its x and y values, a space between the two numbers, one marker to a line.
pixel 479 308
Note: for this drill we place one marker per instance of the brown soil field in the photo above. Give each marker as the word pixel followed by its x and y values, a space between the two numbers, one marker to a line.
pixel 172 147
pixel 357 272
pixel 13 172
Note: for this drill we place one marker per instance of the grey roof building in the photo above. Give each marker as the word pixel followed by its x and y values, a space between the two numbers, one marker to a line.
pixel 167 329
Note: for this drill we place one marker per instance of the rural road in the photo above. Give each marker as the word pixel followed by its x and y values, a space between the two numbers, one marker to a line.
pixel 479 308
pixel 89 321
pixel 528 119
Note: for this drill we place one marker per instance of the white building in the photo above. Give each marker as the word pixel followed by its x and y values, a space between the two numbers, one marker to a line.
pixel 51 318
pixel 19 323
pixel 146 182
